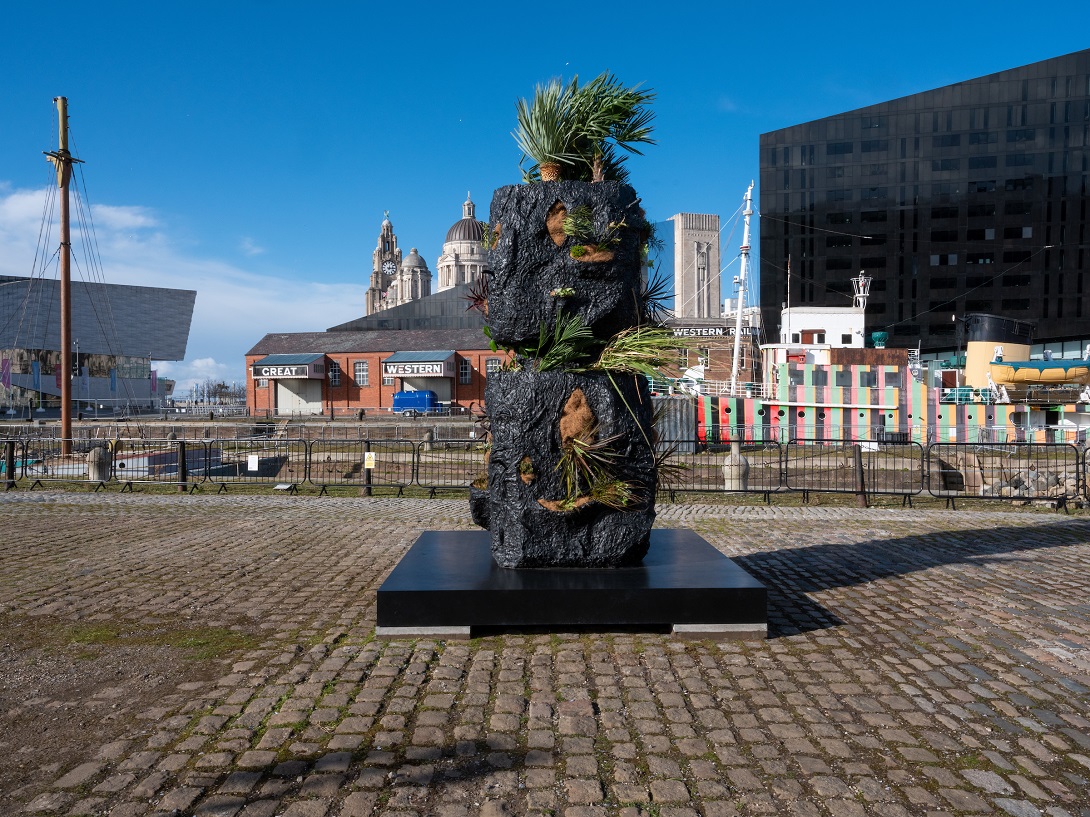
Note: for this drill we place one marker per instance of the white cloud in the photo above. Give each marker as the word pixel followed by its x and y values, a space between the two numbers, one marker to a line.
pixel 122 218
pixel 235 306
pixel 250 247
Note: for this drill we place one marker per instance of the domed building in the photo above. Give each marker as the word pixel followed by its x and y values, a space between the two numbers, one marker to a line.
pixel 464 257
pixel 395 280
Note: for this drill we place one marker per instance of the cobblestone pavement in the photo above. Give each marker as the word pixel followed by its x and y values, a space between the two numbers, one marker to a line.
pixel 919 662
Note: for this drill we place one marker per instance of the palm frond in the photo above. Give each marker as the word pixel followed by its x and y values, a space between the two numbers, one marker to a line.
pixel 567 346
pixel 581 127
pixel 638 350
pixel 655 291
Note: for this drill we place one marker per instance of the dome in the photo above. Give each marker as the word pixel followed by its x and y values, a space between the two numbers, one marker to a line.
pixel 412 260
pixel 467 228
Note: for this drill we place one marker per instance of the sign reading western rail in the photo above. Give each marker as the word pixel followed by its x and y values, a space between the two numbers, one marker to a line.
pixel 711 331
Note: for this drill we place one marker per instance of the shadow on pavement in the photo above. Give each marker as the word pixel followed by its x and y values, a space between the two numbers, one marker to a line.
pixel 791 573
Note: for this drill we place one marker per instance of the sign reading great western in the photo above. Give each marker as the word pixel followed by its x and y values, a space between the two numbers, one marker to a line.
pixel 281 372
pixel 421 369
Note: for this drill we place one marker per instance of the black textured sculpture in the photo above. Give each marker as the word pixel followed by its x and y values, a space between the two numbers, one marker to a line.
pixel 571 474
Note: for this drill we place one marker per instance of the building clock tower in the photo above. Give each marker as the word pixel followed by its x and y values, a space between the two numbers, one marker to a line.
pixel 385 266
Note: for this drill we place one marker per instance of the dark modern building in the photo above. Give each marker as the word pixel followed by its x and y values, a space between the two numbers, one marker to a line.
pixel 968 198
pixel 118 334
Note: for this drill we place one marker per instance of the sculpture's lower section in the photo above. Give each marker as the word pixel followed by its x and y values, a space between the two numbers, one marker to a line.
pixel 571 472
pixel 447 585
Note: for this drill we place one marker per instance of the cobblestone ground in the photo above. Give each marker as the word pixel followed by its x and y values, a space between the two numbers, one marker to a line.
pixel 919 662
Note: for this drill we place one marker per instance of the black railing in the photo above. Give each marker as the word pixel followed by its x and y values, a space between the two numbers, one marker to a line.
pixel 1054 472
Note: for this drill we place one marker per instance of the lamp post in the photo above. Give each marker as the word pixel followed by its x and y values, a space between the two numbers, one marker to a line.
pixel 332 374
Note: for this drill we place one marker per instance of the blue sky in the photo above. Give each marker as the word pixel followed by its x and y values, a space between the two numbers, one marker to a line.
pixel 248 149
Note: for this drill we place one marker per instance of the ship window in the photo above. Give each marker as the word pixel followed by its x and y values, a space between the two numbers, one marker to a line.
pixel 820 377
pixel 893 379
pixel 843 378
pixel 868 379
pixel 846 339
pixel 795 378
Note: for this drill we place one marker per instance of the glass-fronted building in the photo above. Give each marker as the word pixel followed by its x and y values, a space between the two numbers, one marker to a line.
pixel 968 198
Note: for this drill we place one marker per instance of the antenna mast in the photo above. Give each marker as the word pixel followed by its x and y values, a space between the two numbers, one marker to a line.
pixel 744 268
pixel 63 160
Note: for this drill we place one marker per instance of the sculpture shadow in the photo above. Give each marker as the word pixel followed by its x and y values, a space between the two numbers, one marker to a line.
pixel 792 573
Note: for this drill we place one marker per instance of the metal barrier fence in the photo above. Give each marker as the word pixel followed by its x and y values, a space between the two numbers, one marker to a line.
pixel 256 461
pixel 364 463
pixel 831 466
pixel 45 460
pixel 1014 471
pixel 450 463
pixel 174 462
pixel 707 470
pixel 1006 471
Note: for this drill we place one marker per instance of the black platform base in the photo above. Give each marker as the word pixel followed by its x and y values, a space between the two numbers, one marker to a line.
pixel 448 586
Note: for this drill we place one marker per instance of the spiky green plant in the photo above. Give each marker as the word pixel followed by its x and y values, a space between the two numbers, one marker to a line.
pixel 588 469
pixel 608 116
pixel 546 127
pixel 581 128
pixel 655 290
pixel 638 350
pixel 579 223
pixel 570 343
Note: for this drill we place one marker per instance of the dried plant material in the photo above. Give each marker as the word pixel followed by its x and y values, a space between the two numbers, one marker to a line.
pixel 594 254
pixel 577 419
pixel 554 223
pixel 564 505
pixel 526 471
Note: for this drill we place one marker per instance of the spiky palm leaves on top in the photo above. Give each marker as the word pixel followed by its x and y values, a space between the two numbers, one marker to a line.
pixel 545 127
pixel 610 116
pixel 580 128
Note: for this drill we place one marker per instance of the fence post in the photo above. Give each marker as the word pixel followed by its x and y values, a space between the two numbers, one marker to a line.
pixel 366 471
pixel 183 471
pixel 860 481
pixel 9 464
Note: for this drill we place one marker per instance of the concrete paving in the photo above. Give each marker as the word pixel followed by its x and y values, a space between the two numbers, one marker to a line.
pixel 919 662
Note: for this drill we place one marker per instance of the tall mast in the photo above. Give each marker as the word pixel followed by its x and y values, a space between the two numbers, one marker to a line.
pixel 63 160
pixel 744 252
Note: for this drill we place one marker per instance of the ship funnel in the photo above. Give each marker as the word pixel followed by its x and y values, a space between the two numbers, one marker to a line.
pixel 989 335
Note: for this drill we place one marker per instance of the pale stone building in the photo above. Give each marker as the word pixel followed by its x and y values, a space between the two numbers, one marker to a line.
pixel 464 257
pixel 692 246
pixel 395 280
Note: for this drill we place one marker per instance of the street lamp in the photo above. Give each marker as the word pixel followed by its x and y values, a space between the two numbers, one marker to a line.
pixel 333 372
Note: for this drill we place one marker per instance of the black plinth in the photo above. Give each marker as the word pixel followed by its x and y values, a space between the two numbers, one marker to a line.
pixel 448 584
